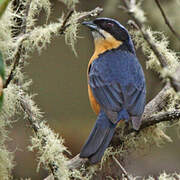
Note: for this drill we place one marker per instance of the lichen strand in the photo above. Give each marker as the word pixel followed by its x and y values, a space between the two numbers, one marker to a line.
pixel 71 30
pixel 9 109
pixel 137 11
pixel 161 43
pixel 50 151
pixel 41 36
pixel 6 165
pixel 110 151
pixel 165 176
pixel 6 41
pixel 84 173
pixel 34 10
pixel 48 144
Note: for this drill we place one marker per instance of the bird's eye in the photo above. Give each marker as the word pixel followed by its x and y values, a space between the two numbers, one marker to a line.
pixel 109 25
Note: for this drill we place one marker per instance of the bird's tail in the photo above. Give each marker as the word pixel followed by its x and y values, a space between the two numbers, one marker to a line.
pixel 99 139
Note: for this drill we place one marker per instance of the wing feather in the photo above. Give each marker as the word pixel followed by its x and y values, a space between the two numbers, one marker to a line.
pixel 117 82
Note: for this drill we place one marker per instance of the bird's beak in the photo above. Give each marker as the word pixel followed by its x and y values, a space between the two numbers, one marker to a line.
pixel 90 25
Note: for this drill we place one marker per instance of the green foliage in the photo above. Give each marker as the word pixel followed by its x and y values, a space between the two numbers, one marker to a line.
pixel 3 5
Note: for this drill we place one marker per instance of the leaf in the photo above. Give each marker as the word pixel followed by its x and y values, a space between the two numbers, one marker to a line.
pixel 3 5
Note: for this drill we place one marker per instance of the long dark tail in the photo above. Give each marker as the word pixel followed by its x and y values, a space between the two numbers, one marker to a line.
pixel 99 139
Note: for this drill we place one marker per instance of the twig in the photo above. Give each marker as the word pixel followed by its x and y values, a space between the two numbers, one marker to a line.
pixel 16 60
pixel 170 116
pixel 153 106
pixel 166 20
pixel 122 168
pixel 19 51
pixel 63 27
pixel 92 13
pixel 146 36
pixel 174 78
pixel 36 127
pixel 155 119
pixel 18 54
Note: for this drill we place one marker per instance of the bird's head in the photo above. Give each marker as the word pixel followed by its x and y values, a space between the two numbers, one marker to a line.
pixel 109 32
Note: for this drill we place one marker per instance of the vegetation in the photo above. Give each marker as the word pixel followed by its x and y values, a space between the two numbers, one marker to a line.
pixel 20 35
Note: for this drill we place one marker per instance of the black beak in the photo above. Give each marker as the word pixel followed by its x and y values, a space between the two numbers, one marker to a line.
pixel 90 25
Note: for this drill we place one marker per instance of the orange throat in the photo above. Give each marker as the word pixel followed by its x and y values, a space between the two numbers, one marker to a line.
pixel 101 45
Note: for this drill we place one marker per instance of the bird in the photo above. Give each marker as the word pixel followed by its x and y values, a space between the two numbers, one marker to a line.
pixel 116 84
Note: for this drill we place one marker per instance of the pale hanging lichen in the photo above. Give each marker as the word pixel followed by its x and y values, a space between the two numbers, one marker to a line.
pixel 110 151
pixel 165 176
pixel 35 8
pixel 50 150
pixel 16 47
pixel 48 144
pixel 71 31
pixel 154 135
pixel 162 44
pixel 41 36
pixel 6 165
pixel 10 107
pixel 136 9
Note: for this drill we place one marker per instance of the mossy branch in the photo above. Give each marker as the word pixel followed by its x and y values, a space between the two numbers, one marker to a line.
pixel 31 116
pixel 36 126
pixel 148 120
pixel 128 7
pixel 19 51
pixel 24 36
pixel 174 79
pixel 50 146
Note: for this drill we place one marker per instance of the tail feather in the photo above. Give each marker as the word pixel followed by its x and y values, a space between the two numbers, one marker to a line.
pixel 99 139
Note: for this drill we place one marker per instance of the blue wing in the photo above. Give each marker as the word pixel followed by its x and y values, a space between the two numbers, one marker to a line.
pixel 117 82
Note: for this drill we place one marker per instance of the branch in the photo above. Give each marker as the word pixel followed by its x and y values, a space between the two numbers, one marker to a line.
pixel 148 120
pixel 94 12
pixel 128 4
pixel 122 168
pixel 154 106
pixel 36 128
pixel 174 78
pixel 19 52
pixel 23 36
pixel 35 125
pixel 170 116
pixel 64 26
pixel 166 20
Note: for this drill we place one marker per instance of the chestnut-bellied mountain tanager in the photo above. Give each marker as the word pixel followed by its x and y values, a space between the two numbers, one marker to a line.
pixel 116 84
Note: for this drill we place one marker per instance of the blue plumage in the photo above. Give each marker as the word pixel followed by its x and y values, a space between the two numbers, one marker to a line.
pixel 117 82
pixel 99 138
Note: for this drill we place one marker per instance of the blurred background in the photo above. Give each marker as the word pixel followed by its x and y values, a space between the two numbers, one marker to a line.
pixel 59 80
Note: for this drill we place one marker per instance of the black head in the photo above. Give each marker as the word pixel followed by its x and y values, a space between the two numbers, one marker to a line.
pixel 111 26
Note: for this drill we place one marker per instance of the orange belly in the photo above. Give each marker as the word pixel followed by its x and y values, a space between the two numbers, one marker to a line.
pixel 101 46
pixel 95 106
